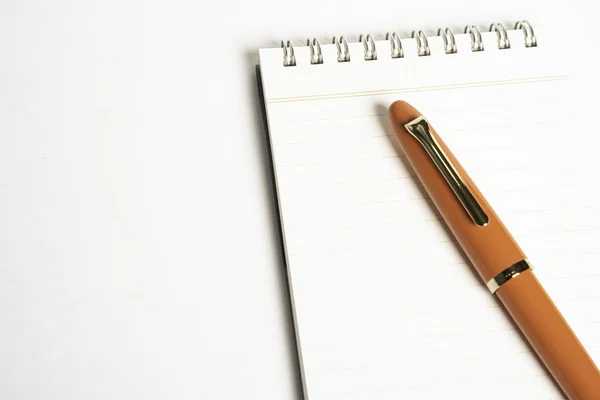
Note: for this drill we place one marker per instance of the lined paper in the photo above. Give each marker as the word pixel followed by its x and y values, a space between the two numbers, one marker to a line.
pixel 386 305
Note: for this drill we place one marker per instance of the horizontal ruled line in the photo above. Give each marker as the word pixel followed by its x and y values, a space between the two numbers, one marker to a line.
pixel 403 156
pixel 455 130
pixel 524 235
pixel 401 178
pixel 426 197
pixel 417 89
pixel 413 221
pixel 371 295
pixel 453 357
pixel 455 264
pixel 376 390
pixel 446 334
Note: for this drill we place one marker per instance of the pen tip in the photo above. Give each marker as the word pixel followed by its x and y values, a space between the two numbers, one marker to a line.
pixel 401 112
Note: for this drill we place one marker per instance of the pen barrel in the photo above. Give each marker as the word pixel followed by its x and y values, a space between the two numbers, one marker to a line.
pixel 550 336
pixel 499 260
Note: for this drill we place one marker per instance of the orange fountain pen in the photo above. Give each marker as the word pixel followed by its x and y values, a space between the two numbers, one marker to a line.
pixel 495 255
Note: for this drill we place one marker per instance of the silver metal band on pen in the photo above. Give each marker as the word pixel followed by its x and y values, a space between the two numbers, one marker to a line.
pixel 509 273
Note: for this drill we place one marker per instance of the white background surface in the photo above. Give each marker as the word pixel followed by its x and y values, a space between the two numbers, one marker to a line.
pixel 139 257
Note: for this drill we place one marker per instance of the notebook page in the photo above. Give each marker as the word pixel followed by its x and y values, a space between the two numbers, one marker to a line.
pixel 386 305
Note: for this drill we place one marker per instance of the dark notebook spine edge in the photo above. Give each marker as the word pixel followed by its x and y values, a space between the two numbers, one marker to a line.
pixel 273 182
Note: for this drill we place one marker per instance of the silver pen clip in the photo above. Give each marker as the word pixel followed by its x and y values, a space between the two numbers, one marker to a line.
pixel 419 128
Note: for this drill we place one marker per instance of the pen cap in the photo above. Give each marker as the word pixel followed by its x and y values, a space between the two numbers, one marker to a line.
pixel 476 227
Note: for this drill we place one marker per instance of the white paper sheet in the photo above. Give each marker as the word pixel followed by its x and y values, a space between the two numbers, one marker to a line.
pixel 386 306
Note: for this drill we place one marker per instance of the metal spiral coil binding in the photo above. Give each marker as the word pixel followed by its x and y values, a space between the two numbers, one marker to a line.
pixel 476 40
pixel 316 55
pixel 503 41
pixel 449 41
pixel 289 59
pixel 395 44
pixel 530 39
pixel 369 47
pixel 343 54
pixel 421 41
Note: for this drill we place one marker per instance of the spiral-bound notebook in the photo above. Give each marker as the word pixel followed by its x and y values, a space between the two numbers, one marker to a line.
pixel 385 305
